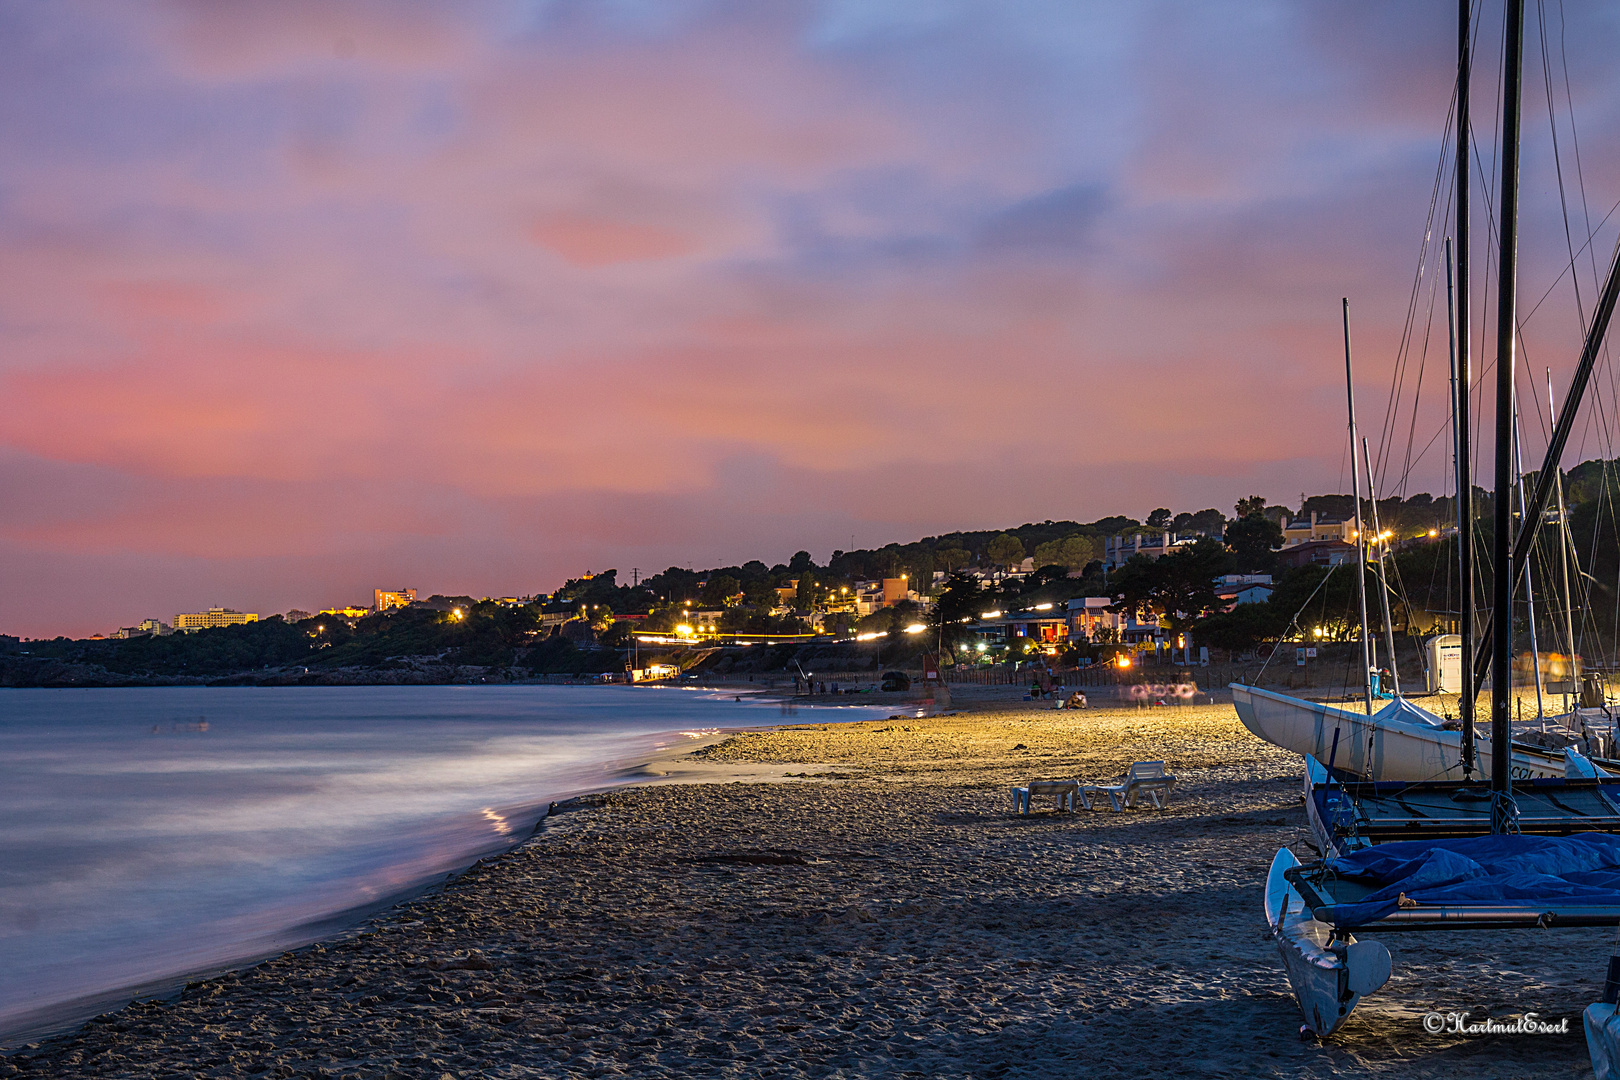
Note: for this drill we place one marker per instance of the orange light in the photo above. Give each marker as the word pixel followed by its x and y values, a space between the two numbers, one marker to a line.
pixel 1124 661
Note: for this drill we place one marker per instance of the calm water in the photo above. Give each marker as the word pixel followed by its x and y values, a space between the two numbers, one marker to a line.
pixel 150 833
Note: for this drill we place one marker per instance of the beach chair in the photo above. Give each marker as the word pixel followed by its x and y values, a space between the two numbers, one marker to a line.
pixel 1145 778
pixel 1064 793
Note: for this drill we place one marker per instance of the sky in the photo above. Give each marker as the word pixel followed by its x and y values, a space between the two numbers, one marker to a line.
pixel 303 299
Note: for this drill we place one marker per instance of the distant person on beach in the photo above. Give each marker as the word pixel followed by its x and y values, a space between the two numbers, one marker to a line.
pixel 1077 700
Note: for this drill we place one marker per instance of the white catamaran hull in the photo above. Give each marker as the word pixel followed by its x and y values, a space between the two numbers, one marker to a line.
pixel 1328 977
pixel 1603 1040
pixel 1399 742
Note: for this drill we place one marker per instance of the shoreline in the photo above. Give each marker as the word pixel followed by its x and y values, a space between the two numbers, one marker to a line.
pixel 663 765
pixel 884 915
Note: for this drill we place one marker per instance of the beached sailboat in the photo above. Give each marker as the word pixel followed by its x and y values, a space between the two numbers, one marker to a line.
pixel 1401 741
pixel 1449 854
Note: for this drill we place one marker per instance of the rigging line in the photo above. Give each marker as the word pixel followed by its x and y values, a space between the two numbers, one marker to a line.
pixel 1391 418
pixel 1558 164
pixel 1586 213
pixel 1490 237
pixel 1411 432
pixel 1574 130
pixel 1490 240
pixel 1408 465
pixel 1589 248
pixel 1403 350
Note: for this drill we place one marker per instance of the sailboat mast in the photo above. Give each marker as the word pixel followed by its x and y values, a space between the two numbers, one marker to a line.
pixel 1563 559
pixel 1461 350
pixel 1361 534
pixel 1506 306
pixel 1529 588
pixel 1381 550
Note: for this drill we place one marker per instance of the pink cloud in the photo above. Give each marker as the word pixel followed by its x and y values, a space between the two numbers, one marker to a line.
pixel 590 242
pixel 295 296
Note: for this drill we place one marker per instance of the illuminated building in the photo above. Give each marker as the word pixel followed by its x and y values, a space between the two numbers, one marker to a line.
pixel 386 599
pixel 873 596
pixel 348 612
pixel 148 628
pixel 218 616
pixel 1318 527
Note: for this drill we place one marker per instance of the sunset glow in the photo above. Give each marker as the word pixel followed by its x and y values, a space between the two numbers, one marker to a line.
pixel 300 298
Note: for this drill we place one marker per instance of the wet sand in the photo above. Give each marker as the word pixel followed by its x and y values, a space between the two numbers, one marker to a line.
pixel 882 914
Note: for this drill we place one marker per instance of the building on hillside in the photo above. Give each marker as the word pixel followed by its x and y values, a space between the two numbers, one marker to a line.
pixel 1048 630
pixel 1316 553
pixel 868 597
pixel 219 616
pixel 398 598
pixel 348 612
pixel 1301 530
pixel 1235 589
pixel 989 576
pixel 1121 548
pixel 1089 614
pixel 550 620
pixel 147 628
pixel 873 596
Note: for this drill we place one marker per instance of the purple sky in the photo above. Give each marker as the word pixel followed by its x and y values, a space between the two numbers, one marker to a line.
pixel 302 299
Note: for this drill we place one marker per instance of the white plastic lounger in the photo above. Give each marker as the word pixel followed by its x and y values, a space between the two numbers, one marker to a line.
pixel 1065 793
pixel 1145 778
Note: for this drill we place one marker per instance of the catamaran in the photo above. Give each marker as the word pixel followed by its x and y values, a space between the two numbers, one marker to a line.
pixel 1404 843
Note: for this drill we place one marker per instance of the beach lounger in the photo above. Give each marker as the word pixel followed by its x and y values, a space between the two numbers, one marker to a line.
pixel 1145 778
pixel 1065 793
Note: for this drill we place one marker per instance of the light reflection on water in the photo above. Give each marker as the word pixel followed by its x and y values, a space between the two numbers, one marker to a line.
pixel 148 833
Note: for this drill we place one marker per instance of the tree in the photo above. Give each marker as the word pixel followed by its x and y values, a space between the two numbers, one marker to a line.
pixel 1045 575
pixel 1132 586
pixel 952 558
pixel 1210 522
pixel 1179 588
pixel 1159 519
pixel 958 604
pixel 761 593
pixel 801 562
pixel 1072 553
pixel 1254 504
pixel 719 590
pixel 1005 550
pixel 1185 587
pixel 1242 628
pixel 1254 540
pixel 810 592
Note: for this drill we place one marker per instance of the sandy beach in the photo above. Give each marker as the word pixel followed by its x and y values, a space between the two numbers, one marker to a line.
pixel 879 912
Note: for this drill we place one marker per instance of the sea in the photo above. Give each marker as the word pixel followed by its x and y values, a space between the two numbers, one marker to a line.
pixel 151 834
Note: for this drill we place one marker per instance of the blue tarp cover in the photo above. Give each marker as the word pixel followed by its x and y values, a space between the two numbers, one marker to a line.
pixel 1484 871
